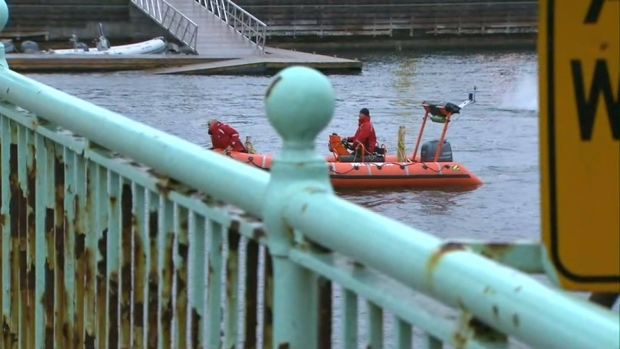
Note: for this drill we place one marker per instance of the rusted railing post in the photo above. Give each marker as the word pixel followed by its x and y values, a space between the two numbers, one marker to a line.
pixel 298 118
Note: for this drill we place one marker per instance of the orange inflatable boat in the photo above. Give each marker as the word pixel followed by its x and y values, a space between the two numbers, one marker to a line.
pixel 433 167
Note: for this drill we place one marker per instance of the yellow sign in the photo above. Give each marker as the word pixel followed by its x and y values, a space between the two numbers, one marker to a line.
pixel 579 56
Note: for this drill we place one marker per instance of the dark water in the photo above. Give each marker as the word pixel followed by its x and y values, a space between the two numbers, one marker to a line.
pixel 497 137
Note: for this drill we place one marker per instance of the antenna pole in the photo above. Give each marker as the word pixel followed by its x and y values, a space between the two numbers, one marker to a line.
pixel 417 143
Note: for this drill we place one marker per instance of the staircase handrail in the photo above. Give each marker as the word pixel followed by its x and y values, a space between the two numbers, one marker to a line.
pixel 242 21
pixel 183 28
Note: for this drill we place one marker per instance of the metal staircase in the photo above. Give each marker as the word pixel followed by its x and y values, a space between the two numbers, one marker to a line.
pixel 209 27
pixel 240 20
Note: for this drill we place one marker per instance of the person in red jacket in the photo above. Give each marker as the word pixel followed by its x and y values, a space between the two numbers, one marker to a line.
pixel 365 133
pixel 225 137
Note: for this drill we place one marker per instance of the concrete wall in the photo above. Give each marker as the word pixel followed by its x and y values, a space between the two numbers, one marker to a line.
pixel 302 23
pixel 359 23
pixel 61 18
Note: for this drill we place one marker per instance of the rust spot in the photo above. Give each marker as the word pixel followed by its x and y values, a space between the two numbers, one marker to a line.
pixel 65 329
pixel 125 273
pixel 80 244
pixel 8 336
pixel 495 251
pixel 232 265
pixel 113 311
pixel 304 208
pixel 234 238
pixel 165 314
pixel 234 227
pixel 258 233
pixel 88 273
pixel 460 340
pixel 478 326
pixel 357 264
pixel 181 298
pixel 515 320
pixel 184 224
pixel 318 248
pixel 138 313
pixel 152 300
pixel 165 185
pixel 89 341
pixel 15 202
pixel 102 246
pixel 94 146
pixel 166 317
pixel 483 332
pixel 60 300
pixel 272 85
pixel 28 241
pixel 518 289
pixel 47 298
pixel 443 249
pixel 183 249
pixel 604 46
pixel 195 330
pixel 138 283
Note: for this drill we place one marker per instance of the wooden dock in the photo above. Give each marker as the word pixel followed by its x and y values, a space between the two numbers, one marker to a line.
pixel 50 63
pixel 220 50
pixel 217 64
pixel 272 61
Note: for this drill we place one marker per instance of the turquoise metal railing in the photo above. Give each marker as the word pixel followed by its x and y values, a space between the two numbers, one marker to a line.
pixel 112 237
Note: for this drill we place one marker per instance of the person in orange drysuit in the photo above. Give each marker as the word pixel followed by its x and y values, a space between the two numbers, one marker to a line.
pixel 225 137
pixel 365 133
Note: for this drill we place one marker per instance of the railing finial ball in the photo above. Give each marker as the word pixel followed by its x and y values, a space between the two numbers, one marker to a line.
pixel 4 14
pixel 300 103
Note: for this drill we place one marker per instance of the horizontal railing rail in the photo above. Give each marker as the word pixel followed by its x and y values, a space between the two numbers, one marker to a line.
pixel 175 22
pixel 238 19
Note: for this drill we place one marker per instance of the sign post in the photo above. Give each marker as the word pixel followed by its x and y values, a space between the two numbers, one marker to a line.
pixel 579 80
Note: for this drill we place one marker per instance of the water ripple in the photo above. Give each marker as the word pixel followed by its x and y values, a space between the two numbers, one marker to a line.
pixel 497 138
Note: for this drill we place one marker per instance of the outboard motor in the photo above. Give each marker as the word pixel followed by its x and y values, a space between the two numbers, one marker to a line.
pixel 427 153
pixel 9 47
pixel 29 47
pixel 102 43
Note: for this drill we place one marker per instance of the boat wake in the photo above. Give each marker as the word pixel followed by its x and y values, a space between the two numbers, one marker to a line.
pixel 521 95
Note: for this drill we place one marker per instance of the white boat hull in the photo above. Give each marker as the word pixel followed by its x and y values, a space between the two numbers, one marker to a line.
pixel 153 46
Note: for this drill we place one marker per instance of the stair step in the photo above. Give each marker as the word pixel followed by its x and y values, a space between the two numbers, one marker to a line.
pixel 215 38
